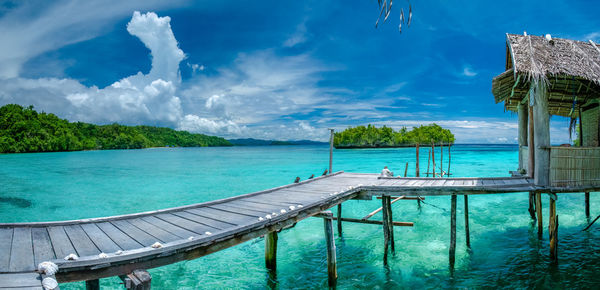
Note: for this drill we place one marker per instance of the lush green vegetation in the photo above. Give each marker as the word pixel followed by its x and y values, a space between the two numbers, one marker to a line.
pixel 25 130
pixel 373 137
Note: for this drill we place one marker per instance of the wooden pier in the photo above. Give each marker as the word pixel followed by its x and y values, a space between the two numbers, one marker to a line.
pixel 119 245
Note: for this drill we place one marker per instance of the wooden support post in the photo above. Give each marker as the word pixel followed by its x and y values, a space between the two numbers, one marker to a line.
pixel 530 144
pixel 538 210
pixel 92 284
pixel 331 152
pixel 271 254
pixel 553 227
pixel 137 280
pixel 522 115
pixel 406 169
pixel 452 250
pixel 532 205
pixel 428 161
pixel 541 118
pixel 587 204
pixel 383 206
pixel 386 227
pixel 449 159
pixel 339 219
pixel 433 158
pixel 417 173
pixel 442 159
pixel 391 224
pixel 331 259
pixel 467 233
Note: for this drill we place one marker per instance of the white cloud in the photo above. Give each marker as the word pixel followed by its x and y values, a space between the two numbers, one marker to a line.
pixel 299 36
pixel 468 71
pixel 24 37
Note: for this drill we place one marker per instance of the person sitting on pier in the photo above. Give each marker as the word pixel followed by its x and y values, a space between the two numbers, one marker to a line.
pixel 386 172
pixel 325 173
pixel 297 179
pixel 312 176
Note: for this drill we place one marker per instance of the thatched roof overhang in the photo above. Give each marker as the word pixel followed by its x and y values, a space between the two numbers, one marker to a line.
pixel 570 70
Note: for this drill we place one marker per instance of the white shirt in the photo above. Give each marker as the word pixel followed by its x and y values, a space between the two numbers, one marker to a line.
pixel 386 173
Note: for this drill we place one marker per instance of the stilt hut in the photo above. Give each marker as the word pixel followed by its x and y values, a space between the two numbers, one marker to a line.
pixel 548 76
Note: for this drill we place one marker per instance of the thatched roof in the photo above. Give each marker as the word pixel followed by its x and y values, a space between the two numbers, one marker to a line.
pixel 569 69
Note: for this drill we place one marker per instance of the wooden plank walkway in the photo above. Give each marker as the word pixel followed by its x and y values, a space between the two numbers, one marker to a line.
pixel 112 246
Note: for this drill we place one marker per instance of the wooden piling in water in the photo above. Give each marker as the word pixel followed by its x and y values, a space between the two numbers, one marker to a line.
pixel 271 253
pixel 428 161
pixel 406 169
pixel 339 219
pixel 538 210
pixel 452 250
pixel 553 227
pixel 433 158
pixel 441 159
pixel 386 226
pixel 417 173
pixel 532 205
pixel 467 233
pixel 137 280
pixel 587 204
pixel 449 159
pixel 331 258
pixel 92 284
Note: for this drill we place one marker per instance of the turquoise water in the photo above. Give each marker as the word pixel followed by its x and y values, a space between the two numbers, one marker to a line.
pixel 505 250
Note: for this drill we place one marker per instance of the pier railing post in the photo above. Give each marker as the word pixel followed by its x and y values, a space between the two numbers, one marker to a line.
pixel 452 250
pixel 331 151
pixel 331 259
pixel 271 254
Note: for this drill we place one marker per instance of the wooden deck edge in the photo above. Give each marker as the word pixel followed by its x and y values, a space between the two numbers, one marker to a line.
pixel 167 210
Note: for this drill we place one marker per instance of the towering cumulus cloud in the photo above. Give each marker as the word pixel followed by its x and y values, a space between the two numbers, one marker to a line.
pixel 137 99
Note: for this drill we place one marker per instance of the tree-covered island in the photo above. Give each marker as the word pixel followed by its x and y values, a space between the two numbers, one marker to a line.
pixel 25 130
pixel 373 137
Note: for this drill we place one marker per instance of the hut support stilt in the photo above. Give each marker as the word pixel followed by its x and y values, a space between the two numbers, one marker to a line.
pixel 467 233
pixel 92 284
pixel 387 227
pixel 538 210
pixel 339 219
pixel 587 204
pixel 452 251
pixel 271 254
pixel 553 227
pixel 532 205
pixel 136 280
pixel 331 259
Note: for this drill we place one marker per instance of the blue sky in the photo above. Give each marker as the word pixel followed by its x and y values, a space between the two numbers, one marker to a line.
pixel 275 69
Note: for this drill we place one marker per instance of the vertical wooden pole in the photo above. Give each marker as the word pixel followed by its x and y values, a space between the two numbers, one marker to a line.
pixel 339 219
pixel 406 169
pixel 522 115
pixel 449 159
pixel 417 173
pixel 452 250
pixel 538 210
pixel 530 144
pixel 271 253
pixel 433 158
pixel 331 152
pixel 467 233
pixel 441 159
pixel 386 228
pixel 532 205
pixel 587 204
pixel 331 258
pixel 553 227
pixel 92 284
pixel 391 223
pixel 428 161
pixel 541 118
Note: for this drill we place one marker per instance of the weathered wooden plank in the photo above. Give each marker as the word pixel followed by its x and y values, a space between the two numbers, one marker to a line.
pixel 21 253
pixel 197 228
pixel 438 182
pixel 100 239
pixel 236 209
pixel 124 241
pixel 6 235
pixel 20 280
pixel 42 246
pixel 154 231
pixel 169 227
pixel 224 216
pixel 210 219
pixel 258 206
pixel 269 202
pixel 215 224
pixel 60 242
pixel 82 243
pixel 292 200
pixel 135 233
